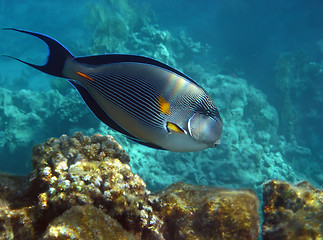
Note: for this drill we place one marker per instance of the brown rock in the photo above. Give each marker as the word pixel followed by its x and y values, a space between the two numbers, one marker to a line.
pixel 83 223
pixel 197 212
pixel 292 212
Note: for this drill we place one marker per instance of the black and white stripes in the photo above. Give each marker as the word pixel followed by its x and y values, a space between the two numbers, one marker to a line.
pixel 135 96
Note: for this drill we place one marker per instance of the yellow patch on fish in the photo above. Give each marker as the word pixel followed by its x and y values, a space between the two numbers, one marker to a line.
pixel 85 76
pixel 173 127
pixel 163 105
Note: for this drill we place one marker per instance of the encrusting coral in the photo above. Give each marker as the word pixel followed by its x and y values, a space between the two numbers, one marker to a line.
pixel 75 170
pixel 91 170
pixel 81 185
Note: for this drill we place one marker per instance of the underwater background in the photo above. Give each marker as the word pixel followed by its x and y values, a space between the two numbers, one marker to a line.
pixel 261 62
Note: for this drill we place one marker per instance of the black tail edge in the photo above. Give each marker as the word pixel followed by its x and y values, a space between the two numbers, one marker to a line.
pixel 56 58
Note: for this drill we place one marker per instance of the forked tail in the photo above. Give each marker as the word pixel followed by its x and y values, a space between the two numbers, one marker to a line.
pixel 56 58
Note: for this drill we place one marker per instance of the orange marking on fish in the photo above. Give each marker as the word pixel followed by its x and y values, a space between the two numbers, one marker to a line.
pixel 163 105
pixel 85 76
pixel 174 127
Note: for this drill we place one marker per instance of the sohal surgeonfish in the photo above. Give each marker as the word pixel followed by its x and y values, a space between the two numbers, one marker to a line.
pixel 149 102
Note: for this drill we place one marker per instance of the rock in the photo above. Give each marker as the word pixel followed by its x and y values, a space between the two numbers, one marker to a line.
pixel 85 222
pixel 16 223
pixel 198 212
pixel 292 211
pixel 17 213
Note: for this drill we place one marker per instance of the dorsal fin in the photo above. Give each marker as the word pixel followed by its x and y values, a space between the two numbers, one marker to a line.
pixel 118 58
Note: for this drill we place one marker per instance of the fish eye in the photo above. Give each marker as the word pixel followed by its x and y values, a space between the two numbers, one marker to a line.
pixel 205 129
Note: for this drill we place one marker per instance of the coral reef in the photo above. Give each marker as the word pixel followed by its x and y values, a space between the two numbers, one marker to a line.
pixel 81 185
pixel 292 211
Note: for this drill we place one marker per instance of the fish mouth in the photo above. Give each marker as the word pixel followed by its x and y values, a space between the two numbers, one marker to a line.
pixel 216 143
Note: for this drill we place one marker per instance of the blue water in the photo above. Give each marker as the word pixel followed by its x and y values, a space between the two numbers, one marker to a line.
pixel 269 53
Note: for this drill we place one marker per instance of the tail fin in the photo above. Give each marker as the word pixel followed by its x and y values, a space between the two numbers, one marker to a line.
pixel 56 58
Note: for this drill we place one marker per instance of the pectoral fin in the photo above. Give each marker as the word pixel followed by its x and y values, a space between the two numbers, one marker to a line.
pixel 172 127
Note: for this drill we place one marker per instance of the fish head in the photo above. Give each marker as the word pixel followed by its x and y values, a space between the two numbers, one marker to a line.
pixel 205 129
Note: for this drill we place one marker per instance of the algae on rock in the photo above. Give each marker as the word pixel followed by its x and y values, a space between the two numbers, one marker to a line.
pixel 199 212
pixel 292 212
pixel 85 222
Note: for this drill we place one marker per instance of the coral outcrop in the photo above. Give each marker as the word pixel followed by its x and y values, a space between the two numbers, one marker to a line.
pixel 117 27
pixel 80 170
pixel 90 170
pixel 292 211
pixel 83 187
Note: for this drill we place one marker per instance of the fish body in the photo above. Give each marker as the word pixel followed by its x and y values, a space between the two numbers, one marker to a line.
pixel 149 102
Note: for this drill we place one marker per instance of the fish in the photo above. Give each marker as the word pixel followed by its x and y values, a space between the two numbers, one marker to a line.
pixel 149 102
